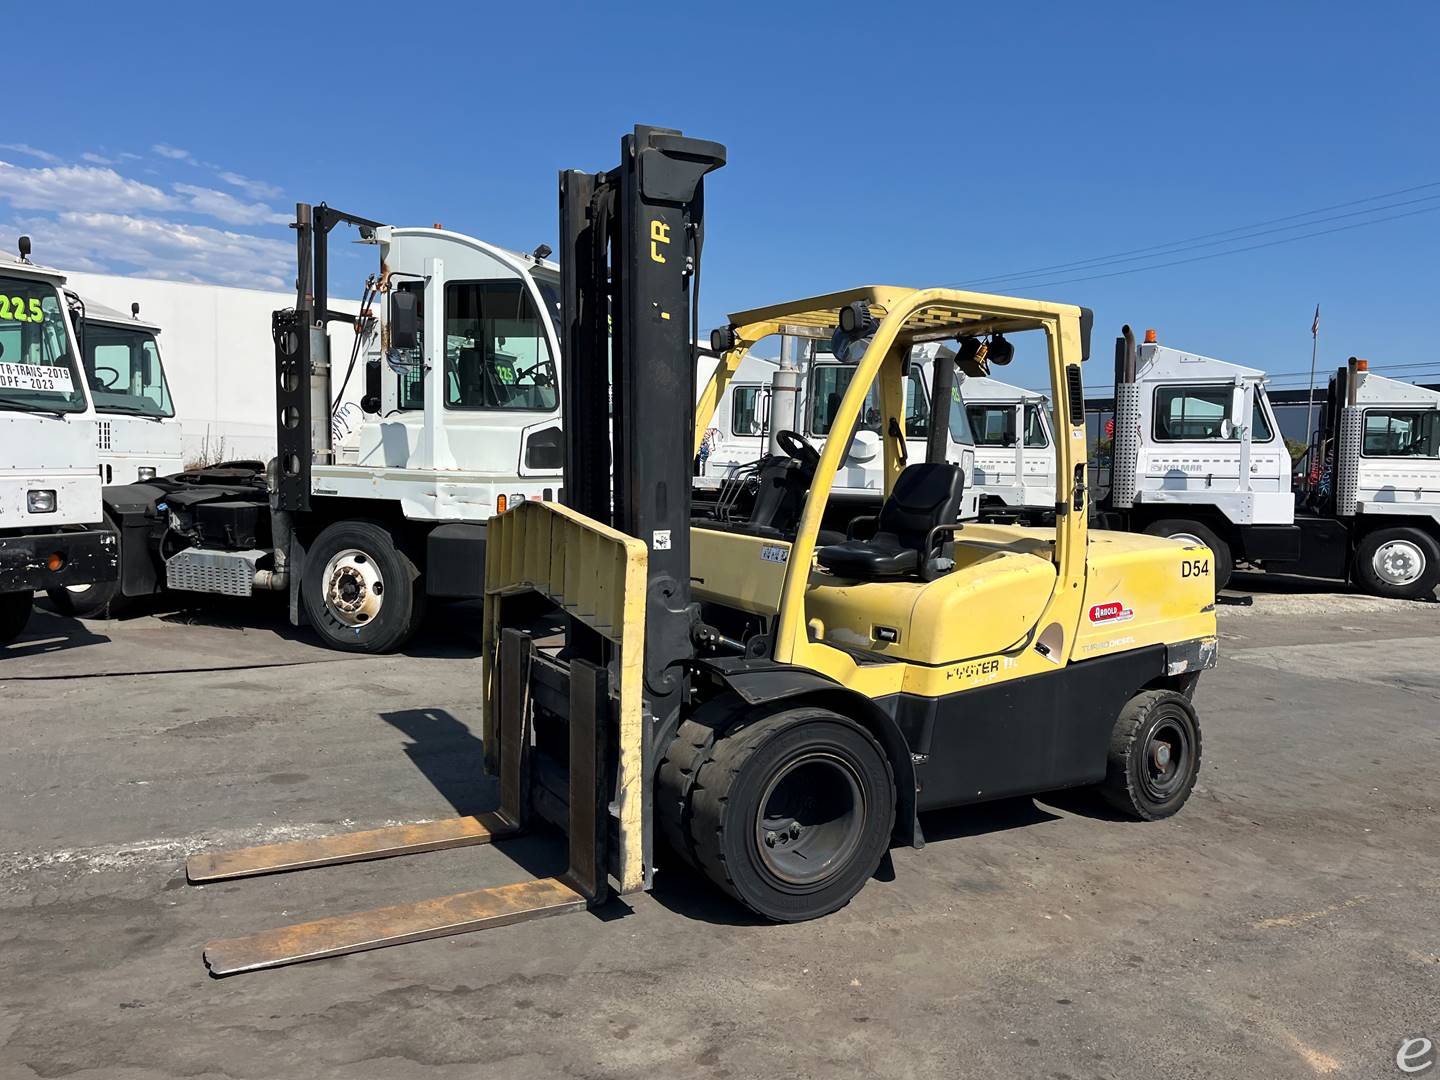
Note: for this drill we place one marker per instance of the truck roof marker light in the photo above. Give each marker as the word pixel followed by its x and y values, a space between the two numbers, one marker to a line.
pixel 1151 337
pixel 1362 365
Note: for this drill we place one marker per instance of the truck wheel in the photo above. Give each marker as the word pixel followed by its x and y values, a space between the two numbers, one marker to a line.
pixel 99 601
pixel 1198 533
pixel 14 614
pixel 1401 563
pixel 1154 755
pixel 791 814
pixel 360 591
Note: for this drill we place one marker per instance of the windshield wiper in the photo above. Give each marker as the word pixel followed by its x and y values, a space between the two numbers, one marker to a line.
pixel 130 410
pixel 31 407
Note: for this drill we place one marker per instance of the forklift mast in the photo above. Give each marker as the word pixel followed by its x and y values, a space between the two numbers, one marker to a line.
pixel 630 249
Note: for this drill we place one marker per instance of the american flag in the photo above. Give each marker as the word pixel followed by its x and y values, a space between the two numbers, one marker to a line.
pixel 1315 326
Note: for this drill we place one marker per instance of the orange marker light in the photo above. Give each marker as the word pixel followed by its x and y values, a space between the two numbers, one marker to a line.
pixel 499 504
pixel 54 561
pixel 1362 365
pixel 1150 337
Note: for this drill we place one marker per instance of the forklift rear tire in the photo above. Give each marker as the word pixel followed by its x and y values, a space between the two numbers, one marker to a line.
pixel 1185 529
pixel 791 813
pixel 1401 563
pixel 1154 755
pixel 360 591
pixel 14 614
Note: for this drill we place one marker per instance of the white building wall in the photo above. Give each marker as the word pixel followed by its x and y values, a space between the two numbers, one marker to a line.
pixel 216 347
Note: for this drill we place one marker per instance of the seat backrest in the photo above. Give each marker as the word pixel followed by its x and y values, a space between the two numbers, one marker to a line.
pixel 926 494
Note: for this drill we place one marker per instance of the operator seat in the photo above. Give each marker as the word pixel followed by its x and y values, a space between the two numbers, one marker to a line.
pixel 926 494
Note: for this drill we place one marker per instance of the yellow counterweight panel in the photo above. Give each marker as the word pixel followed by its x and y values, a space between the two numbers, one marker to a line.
pixel 597 575
pixel 1144 590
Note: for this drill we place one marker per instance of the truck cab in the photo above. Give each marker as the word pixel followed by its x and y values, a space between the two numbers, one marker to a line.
pixel 1014 444
pixel 136 433
pixel 51 522
pixel 738 437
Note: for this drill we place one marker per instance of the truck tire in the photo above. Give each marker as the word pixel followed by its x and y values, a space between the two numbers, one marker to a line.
pixel 1402 563
pixel 1186 529
pixel 99 601
pixel 1154 755
pixel 103 600
pixel 791 813
pixel 14 614
pixel 360 591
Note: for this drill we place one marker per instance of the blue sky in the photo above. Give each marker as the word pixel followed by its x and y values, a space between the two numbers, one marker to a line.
pixel 911 144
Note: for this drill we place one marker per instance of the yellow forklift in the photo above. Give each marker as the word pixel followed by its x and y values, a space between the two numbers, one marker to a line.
pixel 777 703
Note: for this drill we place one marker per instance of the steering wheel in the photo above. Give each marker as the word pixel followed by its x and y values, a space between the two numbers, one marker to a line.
pixel 796 445
pixel 542 377
pixel 114 377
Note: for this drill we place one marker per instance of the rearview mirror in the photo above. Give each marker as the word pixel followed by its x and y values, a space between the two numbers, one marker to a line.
pixel 404 320
pixel 1227 428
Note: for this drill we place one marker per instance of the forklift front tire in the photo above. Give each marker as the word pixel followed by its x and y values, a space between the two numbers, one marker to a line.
pixel 792 813
pixel 1154 755
pixel 361 592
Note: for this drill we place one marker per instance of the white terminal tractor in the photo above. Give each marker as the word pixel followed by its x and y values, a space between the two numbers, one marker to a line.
pixel 51 523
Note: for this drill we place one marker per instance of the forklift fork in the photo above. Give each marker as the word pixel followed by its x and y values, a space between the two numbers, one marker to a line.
pixel 583 885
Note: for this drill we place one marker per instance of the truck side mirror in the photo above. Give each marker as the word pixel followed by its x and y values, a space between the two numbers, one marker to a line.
pixel 1239 415
pixel 370 403
pixel 404 320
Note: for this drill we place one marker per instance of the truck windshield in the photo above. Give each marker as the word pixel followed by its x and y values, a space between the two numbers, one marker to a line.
pixel 828 383
pixel 122 364
pixel 37 370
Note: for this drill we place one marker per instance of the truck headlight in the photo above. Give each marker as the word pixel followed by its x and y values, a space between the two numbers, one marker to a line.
pixel 40 500
pixel 147 472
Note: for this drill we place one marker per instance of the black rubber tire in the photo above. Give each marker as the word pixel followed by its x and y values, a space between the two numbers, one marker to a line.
pixel 1224 558
pixel 100 601
pixel 730 782
pixel 1422 587
pixel 14 614
pixel 404 597
pixel 1128 785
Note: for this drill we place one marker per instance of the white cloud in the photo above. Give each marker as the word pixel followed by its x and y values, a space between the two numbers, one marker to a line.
pixel 166 249
pixel 30 151
pixel 96 159
pixel 227 208
pixel 174 153
pixel 256 189
pixel 69 187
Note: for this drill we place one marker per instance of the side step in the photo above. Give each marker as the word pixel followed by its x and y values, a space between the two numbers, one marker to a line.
pixel 583 885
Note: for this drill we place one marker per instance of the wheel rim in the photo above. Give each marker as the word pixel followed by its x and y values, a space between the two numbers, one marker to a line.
pixel 1167 759
pixel 1189 538
pixel 354 587
pixel 1398 562
pixel 811 819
